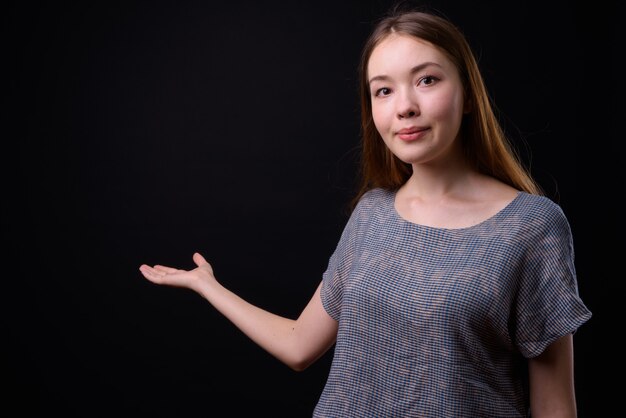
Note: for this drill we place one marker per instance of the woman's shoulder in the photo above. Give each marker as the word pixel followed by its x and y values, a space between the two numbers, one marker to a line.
pixel 375 197
pixel 535 203
pixel 372 202
pixel 377 193
pixel 535 210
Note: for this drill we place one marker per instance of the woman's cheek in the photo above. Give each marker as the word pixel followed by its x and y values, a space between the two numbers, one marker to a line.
pixel 446 106
pixel 380 115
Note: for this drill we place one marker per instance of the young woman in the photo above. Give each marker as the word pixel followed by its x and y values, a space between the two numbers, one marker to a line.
pixel 452 290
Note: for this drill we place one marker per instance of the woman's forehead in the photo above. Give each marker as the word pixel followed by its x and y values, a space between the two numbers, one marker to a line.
pixel 398 51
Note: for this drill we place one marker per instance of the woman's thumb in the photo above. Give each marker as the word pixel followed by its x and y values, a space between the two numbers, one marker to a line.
pixel 199 260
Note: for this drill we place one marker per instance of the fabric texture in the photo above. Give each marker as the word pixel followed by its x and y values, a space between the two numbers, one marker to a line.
pixel 437 322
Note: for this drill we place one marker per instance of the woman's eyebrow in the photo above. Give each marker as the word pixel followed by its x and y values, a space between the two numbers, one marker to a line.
pixel 414 70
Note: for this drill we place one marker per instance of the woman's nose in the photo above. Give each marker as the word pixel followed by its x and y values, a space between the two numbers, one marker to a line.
pixel 407 106
pixel 406 114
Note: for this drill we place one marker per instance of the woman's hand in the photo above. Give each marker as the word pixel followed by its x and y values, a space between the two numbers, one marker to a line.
pixel 297 343
pixel 195 279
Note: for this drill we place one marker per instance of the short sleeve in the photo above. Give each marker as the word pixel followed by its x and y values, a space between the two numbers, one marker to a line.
pixel 548 304
pixel 339 266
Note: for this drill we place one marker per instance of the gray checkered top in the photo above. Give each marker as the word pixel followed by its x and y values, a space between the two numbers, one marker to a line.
pixel 437 322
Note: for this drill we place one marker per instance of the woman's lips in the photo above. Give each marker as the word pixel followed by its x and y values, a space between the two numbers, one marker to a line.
pixel 411 134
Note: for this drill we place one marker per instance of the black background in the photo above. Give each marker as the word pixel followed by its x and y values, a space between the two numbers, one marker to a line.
pixel 145 131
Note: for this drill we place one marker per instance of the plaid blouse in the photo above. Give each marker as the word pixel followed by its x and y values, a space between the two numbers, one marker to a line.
pixel 437 322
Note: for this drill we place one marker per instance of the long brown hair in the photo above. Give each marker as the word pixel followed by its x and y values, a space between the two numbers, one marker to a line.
pixel 484 143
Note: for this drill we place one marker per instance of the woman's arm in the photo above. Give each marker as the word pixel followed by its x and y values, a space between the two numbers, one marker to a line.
pixel 297 343
pixel 551 376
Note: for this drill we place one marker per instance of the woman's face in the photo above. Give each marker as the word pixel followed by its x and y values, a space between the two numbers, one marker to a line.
pixel 417 99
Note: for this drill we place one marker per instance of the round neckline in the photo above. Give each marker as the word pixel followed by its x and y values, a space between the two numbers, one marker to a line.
pixel 396 214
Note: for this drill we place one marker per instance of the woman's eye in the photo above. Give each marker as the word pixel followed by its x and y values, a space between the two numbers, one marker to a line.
pixel 428 80
pixel 382 91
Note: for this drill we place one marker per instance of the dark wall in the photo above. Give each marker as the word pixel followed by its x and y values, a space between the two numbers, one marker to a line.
pixel 146 131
